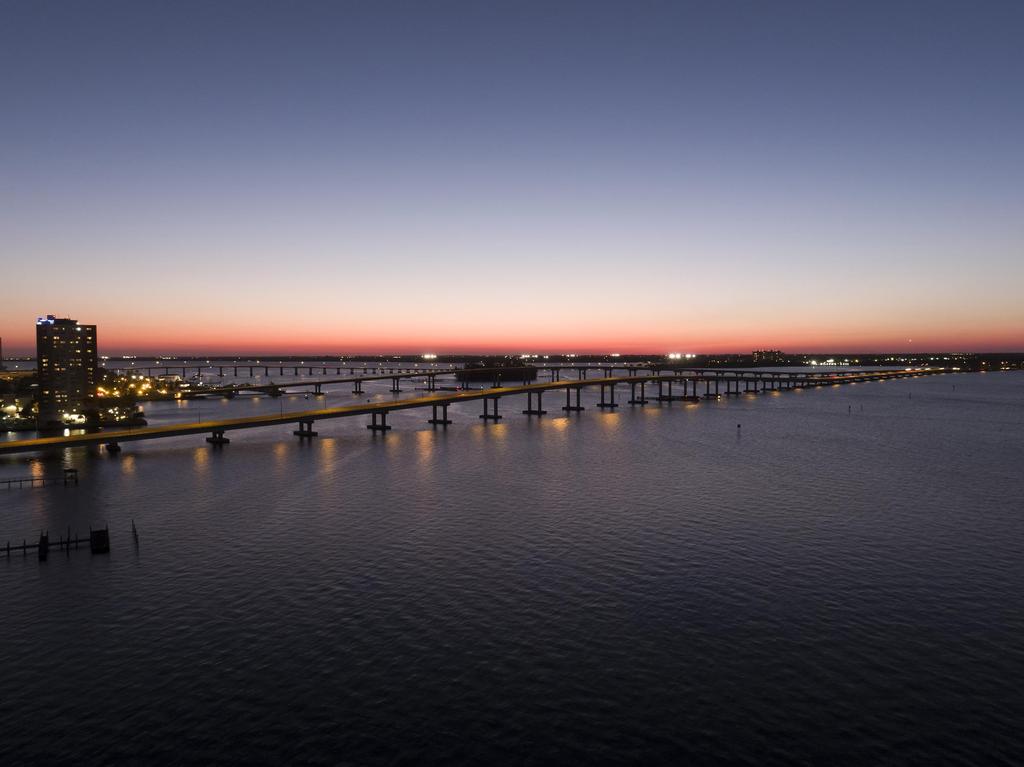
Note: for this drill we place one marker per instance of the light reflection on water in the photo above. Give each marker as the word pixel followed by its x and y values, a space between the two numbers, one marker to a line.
pixel 838 580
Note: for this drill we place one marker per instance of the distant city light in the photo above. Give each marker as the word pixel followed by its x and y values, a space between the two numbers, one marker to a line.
pixel 430 356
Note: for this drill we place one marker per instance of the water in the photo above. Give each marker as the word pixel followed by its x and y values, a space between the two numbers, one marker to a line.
pixel 838 581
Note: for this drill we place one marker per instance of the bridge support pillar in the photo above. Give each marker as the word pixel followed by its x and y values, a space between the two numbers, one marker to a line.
pixel 378 421
pixel 443 420
pixel 491 415
pixel 358 388
pixel 218 438
pixel 305 430
pixel 569 407
pixel 633 399
pixel 530 409
pixel 112 448
pixel 662 396
pixel 318 389
pixel 394 386
pixel 609 403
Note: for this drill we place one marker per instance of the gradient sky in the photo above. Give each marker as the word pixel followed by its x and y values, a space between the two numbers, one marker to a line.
pixel 546 177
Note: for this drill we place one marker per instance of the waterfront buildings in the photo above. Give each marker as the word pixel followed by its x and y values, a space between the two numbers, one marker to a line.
pixel 768 356
pixel 66 360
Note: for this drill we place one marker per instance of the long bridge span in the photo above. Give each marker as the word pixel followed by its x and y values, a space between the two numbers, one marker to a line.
pixel 439 404
pixel 301 370
pixel 277 389
pixel 501 375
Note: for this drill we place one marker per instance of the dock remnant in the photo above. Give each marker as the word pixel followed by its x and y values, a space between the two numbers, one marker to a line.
pixel 98 540
pixel 69 477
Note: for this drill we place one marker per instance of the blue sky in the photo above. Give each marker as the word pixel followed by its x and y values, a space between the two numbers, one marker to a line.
pixel 455 176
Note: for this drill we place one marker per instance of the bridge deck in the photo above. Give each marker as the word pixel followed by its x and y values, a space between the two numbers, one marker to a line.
pixel 370 408
pixel 313 381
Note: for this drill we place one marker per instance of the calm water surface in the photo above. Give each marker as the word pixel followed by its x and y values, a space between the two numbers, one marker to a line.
pixel 839 581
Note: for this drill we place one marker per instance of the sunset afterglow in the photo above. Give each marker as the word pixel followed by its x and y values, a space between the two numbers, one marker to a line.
pixel 680 178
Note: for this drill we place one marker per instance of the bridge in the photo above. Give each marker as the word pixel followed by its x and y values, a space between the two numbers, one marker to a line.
pixel 252 369
pixel 439 404
pixel 502 374
pixel 298 370
pixel 277 389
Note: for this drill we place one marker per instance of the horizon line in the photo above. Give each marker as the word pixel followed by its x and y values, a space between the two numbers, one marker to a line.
pixel 252 356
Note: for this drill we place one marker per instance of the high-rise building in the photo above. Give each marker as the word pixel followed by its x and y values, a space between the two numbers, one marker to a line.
pixel 66 363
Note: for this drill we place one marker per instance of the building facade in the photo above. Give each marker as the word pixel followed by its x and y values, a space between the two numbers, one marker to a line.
pixel 66 362
pixel 768 356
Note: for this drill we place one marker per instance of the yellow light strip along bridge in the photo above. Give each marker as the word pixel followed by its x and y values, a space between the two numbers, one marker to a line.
pixel 439 403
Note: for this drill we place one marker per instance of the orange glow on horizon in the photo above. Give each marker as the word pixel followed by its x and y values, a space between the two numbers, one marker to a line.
pixel 113 343
pixel 560 330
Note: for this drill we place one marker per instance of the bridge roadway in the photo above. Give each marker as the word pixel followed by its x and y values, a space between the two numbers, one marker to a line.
pixel 388 371
pixel 296 368
pixel 440 402
pixel 317 385
pixel 278 388
pixel 581 372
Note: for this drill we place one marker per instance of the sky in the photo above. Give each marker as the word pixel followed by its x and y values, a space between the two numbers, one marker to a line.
pixel 545 177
